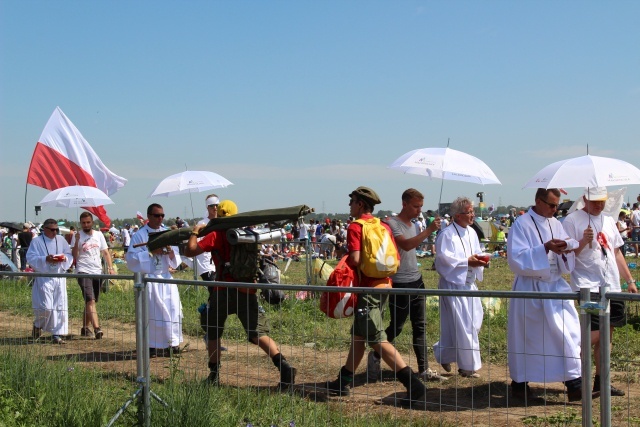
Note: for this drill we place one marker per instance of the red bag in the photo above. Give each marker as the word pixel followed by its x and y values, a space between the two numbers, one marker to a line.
pixel 340 304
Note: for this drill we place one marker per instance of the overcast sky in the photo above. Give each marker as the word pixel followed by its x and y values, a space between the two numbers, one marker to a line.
pixel 299 102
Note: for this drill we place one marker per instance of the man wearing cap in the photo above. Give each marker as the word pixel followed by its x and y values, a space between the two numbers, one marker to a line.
pixel 598 261
pixel 543 336
pixel 50 253
pixel 459 267
pixel 367 322
pixel 206 268
pixel 408 276
pixel 165 308
pixel 239 301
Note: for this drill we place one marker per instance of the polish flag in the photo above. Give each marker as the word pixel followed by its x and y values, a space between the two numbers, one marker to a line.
pixel 63 157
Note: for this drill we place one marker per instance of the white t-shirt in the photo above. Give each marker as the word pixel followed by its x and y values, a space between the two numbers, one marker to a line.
pixel 89 248
pixel 593 268
pixel 126 238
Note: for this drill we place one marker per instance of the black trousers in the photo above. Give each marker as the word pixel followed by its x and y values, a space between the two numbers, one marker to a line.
pixel 413 307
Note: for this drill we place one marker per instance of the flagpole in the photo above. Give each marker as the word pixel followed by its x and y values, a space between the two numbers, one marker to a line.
pixel 26 187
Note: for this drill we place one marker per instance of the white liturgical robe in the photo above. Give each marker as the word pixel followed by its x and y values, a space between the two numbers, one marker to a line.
pixel 460 317
pixel 49 294
pixel 165 308
pixel 543 337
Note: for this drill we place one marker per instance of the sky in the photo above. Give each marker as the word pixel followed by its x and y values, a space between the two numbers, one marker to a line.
pixel 299 102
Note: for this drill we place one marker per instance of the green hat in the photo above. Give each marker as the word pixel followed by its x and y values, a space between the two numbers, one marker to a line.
pixel 367 194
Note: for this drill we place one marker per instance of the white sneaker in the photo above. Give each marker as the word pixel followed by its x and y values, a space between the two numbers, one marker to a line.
pixel 431 375
pixel 374 373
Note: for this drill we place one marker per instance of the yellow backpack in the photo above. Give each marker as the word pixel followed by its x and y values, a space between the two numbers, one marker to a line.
pixel 378 254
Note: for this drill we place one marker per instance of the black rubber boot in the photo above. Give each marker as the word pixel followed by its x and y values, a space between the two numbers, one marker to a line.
pixel 287 372
pixel 340 386
pixel 415 388
pixel 213 378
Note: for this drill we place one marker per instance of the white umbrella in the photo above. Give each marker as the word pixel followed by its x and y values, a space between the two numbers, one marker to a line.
pixel 189 182
pixel 586 171
pixel 445 163
pixel 76 196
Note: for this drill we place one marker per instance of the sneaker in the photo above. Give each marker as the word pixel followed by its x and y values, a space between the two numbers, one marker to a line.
pixel 337 388
pixel 431 375
pixel 36 332
pixel 468 374
pixel 374 373
pixel 98 333
pixel 57 339
pixel 85 332
pixel 287 377
pixel 596 388
pixel 446 367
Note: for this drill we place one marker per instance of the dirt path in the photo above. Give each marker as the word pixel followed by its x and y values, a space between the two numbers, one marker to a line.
pixel 479 402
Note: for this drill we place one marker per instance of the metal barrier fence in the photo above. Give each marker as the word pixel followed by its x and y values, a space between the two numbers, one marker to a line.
pixel 320 351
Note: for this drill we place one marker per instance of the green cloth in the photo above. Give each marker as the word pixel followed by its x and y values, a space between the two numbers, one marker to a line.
pixel 276 217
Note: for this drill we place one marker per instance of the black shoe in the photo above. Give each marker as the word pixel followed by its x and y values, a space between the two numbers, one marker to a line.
pixel 525 394
pixel 175 350
pixel 213 378
pixel 85 332
pixel 287 377
pixel 337 388
pixel 36 332
pixel 596 388
pixel 574 395
pixel 98 333
pixel 153 352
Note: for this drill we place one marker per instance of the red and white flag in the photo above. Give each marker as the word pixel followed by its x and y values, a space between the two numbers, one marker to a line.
pixel 63 157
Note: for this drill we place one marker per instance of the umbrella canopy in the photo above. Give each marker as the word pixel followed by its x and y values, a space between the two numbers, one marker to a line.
pixel 445 163
pixel 11 225
pixel 189 182
pixel 586 171
pixel 76 196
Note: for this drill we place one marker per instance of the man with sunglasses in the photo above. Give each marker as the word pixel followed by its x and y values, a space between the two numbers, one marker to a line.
pixel 543 335
pixel 598 261
pixel 165 309
pixel 50 253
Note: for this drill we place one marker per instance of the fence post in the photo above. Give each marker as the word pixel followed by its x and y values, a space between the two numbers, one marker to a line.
pixel 585 347
pixel 605 358
pixel 142 350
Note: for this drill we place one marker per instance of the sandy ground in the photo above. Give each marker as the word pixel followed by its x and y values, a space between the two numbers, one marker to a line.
pixel 480 402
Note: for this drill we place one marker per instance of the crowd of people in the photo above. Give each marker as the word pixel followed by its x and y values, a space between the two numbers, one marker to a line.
pixel 543 341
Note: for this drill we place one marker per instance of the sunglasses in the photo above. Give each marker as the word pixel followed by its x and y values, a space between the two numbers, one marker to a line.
pixel 212 206
pixel 551 205
pixel 352 201
pixel 157 215
pixel 55 230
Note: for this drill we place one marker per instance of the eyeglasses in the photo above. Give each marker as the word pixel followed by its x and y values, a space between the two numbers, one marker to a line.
pixel 212 206
pixel 157 215
pixel 55 230
pixel 551 205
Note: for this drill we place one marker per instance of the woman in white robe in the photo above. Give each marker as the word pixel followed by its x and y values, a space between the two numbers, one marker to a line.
pixel 49 294
pixel 165 308
pixel 543 335
pixel 460 317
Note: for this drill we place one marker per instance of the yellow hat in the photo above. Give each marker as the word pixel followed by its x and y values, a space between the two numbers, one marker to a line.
pixel 227 208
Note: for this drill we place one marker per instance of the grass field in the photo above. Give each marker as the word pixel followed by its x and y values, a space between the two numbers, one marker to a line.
pixel 36 390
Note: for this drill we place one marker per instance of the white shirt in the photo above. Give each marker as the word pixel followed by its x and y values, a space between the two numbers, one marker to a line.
pixel 89 254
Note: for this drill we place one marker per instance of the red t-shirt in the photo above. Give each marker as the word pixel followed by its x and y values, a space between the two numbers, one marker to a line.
pixel 354 243
pixel 217 242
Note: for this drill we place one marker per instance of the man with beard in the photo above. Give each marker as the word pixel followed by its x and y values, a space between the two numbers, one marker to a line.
pixel 88 246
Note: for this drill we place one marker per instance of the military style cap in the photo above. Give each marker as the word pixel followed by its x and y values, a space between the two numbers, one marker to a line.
pixel 367 194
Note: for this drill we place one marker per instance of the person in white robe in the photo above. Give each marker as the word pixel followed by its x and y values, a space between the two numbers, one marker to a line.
pixel 165 308
pixel 460 317
pixel 599 260
pixel 543 335
pixel 50 253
